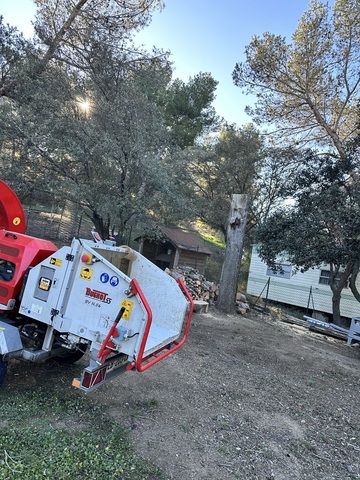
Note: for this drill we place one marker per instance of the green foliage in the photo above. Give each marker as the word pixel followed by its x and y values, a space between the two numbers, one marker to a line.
pixel 214 265
pixel 308 89
pixel 215 261
pixel 101 125
pixel 220 170
pixel 212 240
pixel 47 434
pixel 70 30
pixel 188 110
pixel 98 121
pixel 277 166
pixel 13 51
pixel 323 224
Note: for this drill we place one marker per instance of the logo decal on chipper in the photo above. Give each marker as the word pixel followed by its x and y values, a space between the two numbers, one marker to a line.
pixel 97 295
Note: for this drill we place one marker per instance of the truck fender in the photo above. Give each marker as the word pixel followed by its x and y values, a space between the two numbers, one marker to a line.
pixel 10 340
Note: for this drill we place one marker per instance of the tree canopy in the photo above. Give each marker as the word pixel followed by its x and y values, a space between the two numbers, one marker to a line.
pixel 229 164
pixel 88 115
pixel 188 108
pixel 66 32
pixel 308 89
pixel 322 226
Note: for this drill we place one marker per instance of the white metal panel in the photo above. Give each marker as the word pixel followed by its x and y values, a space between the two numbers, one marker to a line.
pixel 302 289
pixel 85 298
pixel 34 307
pixel 93 298
pixel 167 302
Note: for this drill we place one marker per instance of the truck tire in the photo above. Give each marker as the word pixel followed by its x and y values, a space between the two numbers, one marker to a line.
pixel 71 357
pixel 3 369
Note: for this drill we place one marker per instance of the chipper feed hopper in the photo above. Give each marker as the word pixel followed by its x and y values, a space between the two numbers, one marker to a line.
pixel 90 297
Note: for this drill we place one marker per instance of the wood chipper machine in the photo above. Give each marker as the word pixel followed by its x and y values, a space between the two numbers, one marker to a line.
pixel 90 297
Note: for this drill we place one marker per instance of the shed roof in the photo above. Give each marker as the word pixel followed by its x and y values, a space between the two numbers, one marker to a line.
pixel 185 240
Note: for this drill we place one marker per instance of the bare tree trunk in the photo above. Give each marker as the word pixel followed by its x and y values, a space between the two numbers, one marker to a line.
pixel 234 247
pixel 336 307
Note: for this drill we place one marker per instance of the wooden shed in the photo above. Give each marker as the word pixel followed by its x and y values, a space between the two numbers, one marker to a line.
pixel 177 247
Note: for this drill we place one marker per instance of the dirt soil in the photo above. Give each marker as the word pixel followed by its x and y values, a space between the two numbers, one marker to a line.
pixel 247 397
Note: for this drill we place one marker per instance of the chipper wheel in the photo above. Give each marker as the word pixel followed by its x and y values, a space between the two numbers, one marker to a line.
pixel 3 369
pixel 70 357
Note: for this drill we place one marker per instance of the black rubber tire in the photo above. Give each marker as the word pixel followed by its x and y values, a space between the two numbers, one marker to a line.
pixel 70 357
pixel 3 370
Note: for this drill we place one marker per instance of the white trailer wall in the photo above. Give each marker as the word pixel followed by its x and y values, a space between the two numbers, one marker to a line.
pixel 296 289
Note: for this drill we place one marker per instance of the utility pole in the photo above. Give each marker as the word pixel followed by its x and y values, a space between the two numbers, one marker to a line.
pixel 234 247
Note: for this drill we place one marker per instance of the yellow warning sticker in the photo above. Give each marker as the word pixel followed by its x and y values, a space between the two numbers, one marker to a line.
pixel 55 261
pixel 86 273
pixel 45 284
pixel 16 221
pixel 128 305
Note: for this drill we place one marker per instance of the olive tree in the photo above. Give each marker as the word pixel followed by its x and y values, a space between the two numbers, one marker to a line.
pixel 101 140
pixel 95 118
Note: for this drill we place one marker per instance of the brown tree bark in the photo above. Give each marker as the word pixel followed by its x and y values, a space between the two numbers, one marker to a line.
pixel 234 247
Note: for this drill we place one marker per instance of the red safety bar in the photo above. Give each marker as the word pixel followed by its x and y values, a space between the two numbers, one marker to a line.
pixel 143 363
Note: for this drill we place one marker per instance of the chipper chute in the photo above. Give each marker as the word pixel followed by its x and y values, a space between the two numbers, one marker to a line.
pixel 12 216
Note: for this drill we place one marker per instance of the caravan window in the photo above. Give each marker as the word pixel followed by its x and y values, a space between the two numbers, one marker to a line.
pixel 324 278
pixel 282 270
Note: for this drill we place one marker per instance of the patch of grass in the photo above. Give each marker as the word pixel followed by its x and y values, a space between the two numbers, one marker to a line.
pixel 212 237
pixel 147 404
pixel 185 427
pixel 213 240
pixel 225 449
pixel 152 402
pixel 300 446
pixel 57 433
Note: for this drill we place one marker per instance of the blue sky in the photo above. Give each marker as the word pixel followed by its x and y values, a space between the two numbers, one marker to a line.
pixel 203 36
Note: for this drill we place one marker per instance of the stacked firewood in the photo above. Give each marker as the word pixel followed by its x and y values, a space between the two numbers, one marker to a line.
pixel 242 305
pixel 197 285
pixel 201 289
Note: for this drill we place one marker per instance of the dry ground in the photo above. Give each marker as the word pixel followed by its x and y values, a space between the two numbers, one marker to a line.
pixel 247 397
